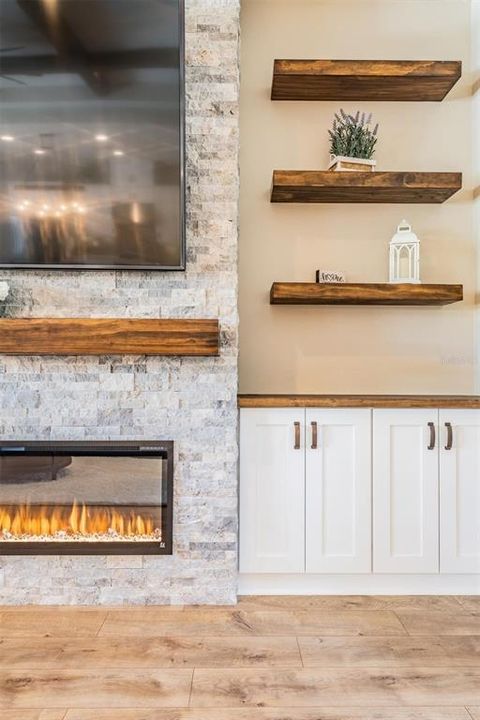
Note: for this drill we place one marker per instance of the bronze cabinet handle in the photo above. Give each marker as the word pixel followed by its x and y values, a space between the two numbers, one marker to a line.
pixel 449 444
pixel 431 446
pixel 297 436
pixel 314 445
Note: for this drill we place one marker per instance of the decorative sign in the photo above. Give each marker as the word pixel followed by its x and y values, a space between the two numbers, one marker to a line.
pixel 329 276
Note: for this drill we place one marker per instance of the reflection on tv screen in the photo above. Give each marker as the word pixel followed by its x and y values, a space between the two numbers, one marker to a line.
pixel 91 133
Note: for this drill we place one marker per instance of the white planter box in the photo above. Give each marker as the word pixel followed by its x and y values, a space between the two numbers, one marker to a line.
pixel 339 163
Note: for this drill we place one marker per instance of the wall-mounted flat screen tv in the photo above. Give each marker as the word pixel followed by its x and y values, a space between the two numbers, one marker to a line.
pixel 91 134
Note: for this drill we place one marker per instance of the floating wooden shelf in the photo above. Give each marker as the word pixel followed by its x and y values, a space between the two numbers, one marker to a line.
pixel 420 80
pixel 311 186
pixel 288 293
pixel 86 336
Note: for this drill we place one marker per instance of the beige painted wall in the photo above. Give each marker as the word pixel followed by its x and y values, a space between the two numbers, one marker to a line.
pixel 353 350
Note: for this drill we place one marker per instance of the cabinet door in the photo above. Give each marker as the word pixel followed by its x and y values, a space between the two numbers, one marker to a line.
pixel 460 491
pixel 405 491
pixel 272 490
pixel 338 491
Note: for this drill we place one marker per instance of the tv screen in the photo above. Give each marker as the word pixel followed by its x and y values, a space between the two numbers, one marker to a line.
pixel 91 134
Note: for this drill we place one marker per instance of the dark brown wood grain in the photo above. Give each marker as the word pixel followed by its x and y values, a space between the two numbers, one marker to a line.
pixel 419 80
pixel 312 186
pixel 92 336
pixel 360 401
pixel 293 293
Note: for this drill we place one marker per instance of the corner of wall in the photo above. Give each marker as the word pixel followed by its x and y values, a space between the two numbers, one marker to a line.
pixel 475 50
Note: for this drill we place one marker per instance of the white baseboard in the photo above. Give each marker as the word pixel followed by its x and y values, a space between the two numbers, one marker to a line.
pixel 273 584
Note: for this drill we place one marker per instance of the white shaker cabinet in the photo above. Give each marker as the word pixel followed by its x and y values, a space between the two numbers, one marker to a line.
pixel 272 490
pixel 305 491
pixel 338 491
pixel 405 491
pixel 351 491
pixel 460 491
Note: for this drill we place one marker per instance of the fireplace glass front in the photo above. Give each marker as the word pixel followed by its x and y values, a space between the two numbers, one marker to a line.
pixel 86 498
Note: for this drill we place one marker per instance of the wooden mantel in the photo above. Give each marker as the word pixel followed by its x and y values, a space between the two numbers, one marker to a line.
pixel 108 336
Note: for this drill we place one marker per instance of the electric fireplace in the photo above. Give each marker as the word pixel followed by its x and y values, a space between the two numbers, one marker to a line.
pixel 86 498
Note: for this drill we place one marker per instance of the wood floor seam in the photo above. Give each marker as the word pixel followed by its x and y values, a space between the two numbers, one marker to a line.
pixel 400 621
pixel 277 668
pixel 300 651
pixel 101 625
pixel 191 689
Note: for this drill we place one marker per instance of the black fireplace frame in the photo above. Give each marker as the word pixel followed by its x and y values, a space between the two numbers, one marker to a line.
pixel 143 448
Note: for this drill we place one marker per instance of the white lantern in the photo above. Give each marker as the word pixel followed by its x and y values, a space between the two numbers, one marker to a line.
pixel 404 255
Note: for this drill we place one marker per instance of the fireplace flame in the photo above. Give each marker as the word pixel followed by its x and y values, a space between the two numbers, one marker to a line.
pixel 73 523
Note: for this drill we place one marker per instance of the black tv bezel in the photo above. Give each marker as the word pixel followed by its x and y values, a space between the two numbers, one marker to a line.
pixel 165 268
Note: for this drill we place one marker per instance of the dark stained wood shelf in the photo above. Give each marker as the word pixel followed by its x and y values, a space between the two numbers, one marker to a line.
pixel 112 336
pixel 419 80
pixel 292 293
pixel 311 186
pixel 360 401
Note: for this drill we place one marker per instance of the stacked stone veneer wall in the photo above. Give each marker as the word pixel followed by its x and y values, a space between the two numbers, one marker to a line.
pixel 192 401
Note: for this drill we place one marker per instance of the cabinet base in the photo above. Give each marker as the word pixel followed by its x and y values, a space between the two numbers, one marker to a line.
pixel 278 584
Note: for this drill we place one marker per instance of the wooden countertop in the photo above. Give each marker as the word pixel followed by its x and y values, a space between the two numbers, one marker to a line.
pixel 360 401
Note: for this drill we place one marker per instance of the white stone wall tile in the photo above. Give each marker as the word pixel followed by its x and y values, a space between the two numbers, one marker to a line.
pixel 189 400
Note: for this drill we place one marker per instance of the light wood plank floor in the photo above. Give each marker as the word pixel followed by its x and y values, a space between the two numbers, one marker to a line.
pixel 269 658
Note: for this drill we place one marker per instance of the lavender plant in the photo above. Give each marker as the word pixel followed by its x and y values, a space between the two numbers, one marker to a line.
pixel 351 135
